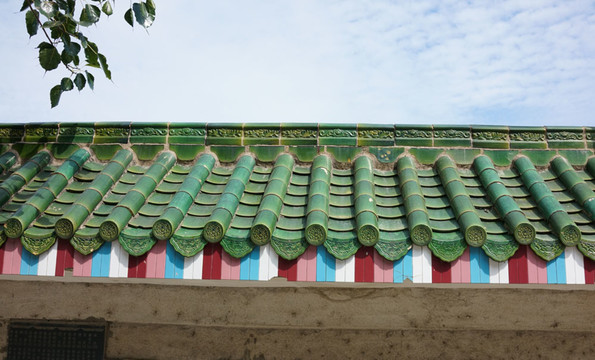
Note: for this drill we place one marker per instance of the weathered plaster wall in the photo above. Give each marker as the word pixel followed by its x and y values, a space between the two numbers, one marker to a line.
pixel 156 319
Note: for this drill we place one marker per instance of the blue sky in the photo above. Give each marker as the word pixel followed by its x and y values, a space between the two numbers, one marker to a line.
pixel 461 62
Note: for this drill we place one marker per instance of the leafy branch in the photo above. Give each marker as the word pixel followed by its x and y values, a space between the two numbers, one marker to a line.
pixel 65 38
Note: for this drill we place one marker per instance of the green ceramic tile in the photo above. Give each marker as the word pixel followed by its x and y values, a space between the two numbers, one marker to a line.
pixel 187 133
pixel 413 135
pixel 386 154
pixel 447 135
pixel 501 157
pixel 590 136
pixel 76 133
pixel 299 134
pixel 343 153
pixel 105 152
pixel 304 153
pixel 576 157
pixel 262 134
pixel 337 134
pixel 527 137
pixel 41 132
pixel 62 151
pixel 227 153
pixel 186 152
pixel 539 157
pixel 146 152
pixel 379 135
pixel 10 133
pixel 565 137
pixel 224 134
pixel 426 156
pixel 148 133
pixel 111 133
pixel 463 156
pixel 490 137
pixel 26 151
pixel 266 153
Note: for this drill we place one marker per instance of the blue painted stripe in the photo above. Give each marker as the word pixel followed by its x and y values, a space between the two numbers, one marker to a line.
pixel 99 268
pixel 561 268
pixel 320 266
pixel 479 266
pixel 174 263
pixel 245 267
pixel 325 265
pixel 403 268
pixel 254 263
pixel 552 273
pixel 105 250
pixel 29 263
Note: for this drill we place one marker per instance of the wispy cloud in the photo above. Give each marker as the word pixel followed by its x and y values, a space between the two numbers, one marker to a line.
pixel 500 62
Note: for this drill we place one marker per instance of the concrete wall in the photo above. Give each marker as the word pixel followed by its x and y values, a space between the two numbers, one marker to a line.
pixel 157 319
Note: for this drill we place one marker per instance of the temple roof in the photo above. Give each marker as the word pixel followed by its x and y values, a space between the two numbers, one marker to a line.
pixel 295 185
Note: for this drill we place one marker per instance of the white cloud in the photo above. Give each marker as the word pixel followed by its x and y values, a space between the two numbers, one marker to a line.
pixel 342 61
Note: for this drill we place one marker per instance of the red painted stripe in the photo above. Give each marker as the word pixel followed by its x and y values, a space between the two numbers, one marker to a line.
pixel 207 261
pixel 364 264
pixel 359 264
pixel 62 256
pixel 518 270
pixel 288 269
pixel 137 266
pixel 589 271
pixel 2 256
pixel 441 271
pixel 217 259
pixel 211 265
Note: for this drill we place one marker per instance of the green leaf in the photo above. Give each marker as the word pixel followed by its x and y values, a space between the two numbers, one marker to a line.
pixel 72 48
pixel 66 84
pixel 107 8
pixel 31 22
pixel 80 81
pixel 91 55
pixel 90 15
pixel 83 39
pixel 55 93
pixel 90 80
pixel 128 17
pixel 151 7
pixel 25 5
pixel 48 9
pixel 66 57
pixel 106 71
pixel 142 15
pixel 49 58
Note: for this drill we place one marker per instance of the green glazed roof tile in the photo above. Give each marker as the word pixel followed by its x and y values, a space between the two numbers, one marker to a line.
pixel 287 208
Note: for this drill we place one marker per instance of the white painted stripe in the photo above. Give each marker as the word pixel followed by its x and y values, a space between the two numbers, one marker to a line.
pixel 118 264
pixel 575 273
pixel 273 262
pixel 46 265
pixel 417 263
pixel 579 262
pixel 570 265
pixel 494 272
pixel 264 261
pixel 340 270
pixel 197 262
pixel 503 272
pixel 427 265
pixel 350 269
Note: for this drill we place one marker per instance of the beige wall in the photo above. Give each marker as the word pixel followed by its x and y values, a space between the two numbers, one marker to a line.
pixel 276 319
